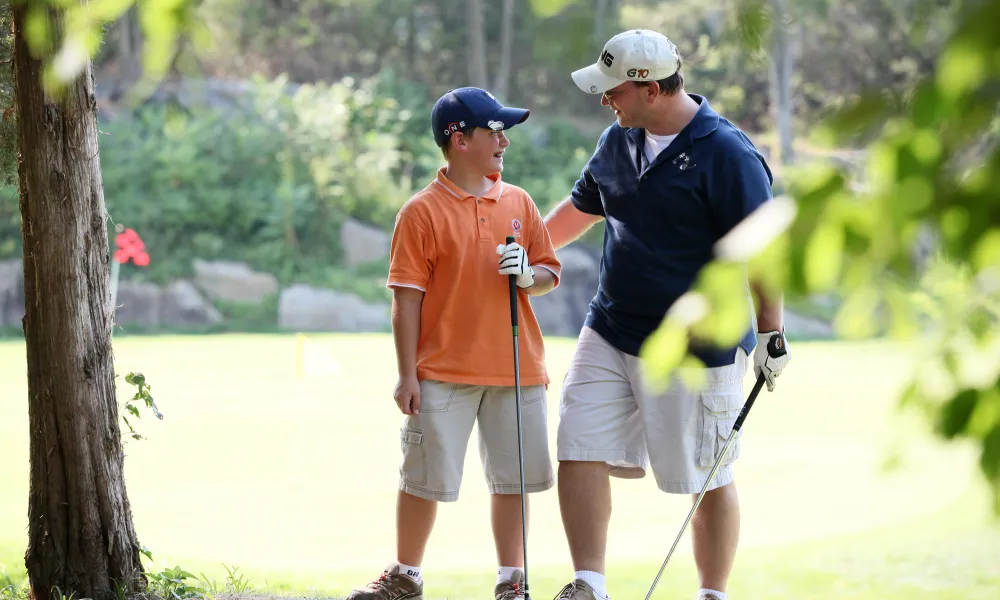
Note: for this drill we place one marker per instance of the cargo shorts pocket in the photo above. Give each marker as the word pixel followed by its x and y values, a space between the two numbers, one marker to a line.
pixel 532 394
pixel 414 466
pixel 720 411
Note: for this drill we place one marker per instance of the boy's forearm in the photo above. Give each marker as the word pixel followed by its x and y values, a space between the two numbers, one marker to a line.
pixel 770 310
pixel 406 332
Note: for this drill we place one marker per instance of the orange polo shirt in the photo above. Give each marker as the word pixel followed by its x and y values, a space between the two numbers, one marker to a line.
pixel 445 244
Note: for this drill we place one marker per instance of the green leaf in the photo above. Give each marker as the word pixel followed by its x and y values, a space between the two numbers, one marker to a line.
pixel 856 319
pixel 989 460
pixel 824 257
pixel 38 30
pixel 956 413
pixel 986 414
pixel 692 373
pixel 987 250
pixel 961 69
pixel 664 351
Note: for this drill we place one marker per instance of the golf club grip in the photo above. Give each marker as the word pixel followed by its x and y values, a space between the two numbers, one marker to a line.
pixel 749 403
pixel 512 281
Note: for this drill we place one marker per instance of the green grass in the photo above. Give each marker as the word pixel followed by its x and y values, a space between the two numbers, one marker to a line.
pixel 293 480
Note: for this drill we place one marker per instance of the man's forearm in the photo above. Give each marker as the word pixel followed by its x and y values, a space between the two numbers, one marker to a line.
pixel 545 280
pixel 566 223
pixel 406 332
pixel 770 310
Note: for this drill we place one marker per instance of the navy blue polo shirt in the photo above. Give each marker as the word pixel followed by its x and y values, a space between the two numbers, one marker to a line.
pixel 663 219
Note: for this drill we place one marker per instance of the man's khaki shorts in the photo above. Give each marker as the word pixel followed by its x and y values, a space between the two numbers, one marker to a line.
pixel 607 414
pixel 434 442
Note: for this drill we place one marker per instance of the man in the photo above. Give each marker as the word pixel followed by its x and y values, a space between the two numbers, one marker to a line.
pixel 669 178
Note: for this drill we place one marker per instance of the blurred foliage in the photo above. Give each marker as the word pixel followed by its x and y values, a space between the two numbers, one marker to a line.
pixel 913 248
pixel 270 177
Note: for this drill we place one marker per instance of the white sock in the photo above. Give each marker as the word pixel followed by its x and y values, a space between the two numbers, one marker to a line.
pixel 410 571
pixel 715 594
pixel 595 580
pixel 505 573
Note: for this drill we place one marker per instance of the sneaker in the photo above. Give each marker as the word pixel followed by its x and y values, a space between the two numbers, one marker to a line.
pixel 390 585
pixel 512 589
pixel 579 590
pixel 708 597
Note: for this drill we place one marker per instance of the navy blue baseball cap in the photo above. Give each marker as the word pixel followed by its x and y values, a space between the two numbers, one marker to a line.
pixel 472 107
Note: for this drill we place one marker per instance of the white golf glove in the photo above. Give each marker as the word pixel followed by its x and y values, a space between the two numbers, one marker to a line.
pixel 771 356
pixel 514 261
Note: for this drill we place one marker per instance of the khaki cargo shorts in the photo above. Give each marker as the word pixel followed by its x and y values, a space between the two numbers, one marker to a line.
pixel 434 442
pixel 607 414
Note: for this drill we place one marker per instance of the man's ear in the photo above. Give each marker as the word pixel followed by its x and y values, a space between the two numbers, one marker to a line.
pixel 652 90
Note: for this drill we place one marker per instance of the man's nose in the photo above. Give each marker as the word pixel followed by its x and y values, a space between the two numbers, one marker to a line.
pixel 604 100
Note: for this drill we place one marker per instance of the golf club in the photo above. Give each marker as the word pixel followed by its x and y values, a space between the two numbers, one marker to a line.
pixel 517 402
pixel 776 348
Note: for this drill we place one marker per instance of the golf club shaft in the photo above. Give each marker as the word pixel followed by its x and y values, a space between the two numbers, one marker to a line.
pixel 512 283
pixel 725 450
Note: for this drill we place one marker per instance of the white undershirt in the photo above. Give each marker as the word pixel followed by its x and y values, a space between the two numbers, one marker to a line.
pixel 655 144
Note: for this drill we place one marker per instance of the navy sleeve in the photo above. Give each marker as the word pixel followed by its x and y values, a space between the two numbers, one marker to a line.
pixel 586 195
pixel 743 184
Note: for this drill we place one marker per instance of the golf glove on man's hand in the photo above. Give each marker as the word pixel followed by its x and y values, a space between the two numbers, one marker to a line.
pixel 771 356
pixel 514 261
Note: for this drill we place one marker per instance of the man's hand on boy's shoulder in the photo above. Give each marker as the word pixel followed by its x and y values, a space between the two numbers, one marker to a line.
pixel 514 261
pixel 407 395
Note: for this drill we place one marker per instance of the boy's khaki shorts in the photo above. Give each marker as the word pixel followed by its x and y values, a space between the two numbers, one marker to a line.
pixel 434 442
pixel 607 414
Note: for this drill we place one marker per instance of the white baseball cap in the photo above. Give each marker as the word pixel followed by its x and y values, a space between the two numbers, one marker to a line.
pixel 634 55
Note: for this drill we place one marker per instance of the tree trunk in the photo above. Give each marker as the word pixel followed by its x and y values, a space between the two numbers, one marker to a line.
pixel 81 539
pixel 502 84
pixel 784 48
pixel 477 43
pixel 129 52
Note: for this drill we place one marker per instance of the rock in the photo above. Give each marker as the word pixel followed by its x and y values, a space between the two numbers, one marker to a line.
pixel 363 243
pixel 303 308
pixel 183 306
pixel 233 281
pixel 139 303
pixel 11 293
pixel 562 311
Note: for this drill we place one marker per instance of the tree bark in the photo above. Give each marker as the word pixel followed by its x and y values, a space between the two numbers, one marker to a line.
pixel 81 539
pixel 784 50
pixel 502 84
pixel 477 43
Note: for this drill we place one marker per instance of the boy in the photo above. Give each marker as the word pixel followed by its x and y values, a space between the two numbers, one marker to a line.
pixel 454 347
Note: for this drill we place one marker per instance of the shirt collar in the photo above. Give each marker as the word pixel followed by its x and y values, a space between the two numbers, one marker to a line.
pixel 704 122
pixel 493 193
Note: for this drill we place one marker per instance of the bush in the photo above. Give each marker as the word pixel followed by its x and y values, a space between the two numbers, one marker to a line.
pixel 271 180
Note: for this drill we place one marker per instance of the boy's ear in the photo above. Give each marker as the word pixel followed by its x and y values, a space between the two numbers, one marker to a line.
pixel 458 141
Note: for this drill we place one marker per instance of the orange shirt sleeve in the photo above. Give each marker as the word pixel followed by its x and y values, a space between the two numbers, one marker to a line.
pixel 540 250
pixel 411 253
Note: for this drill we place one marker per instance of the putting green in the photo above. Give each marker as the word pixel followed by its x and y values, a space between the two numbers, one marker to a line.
pixel 258 465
